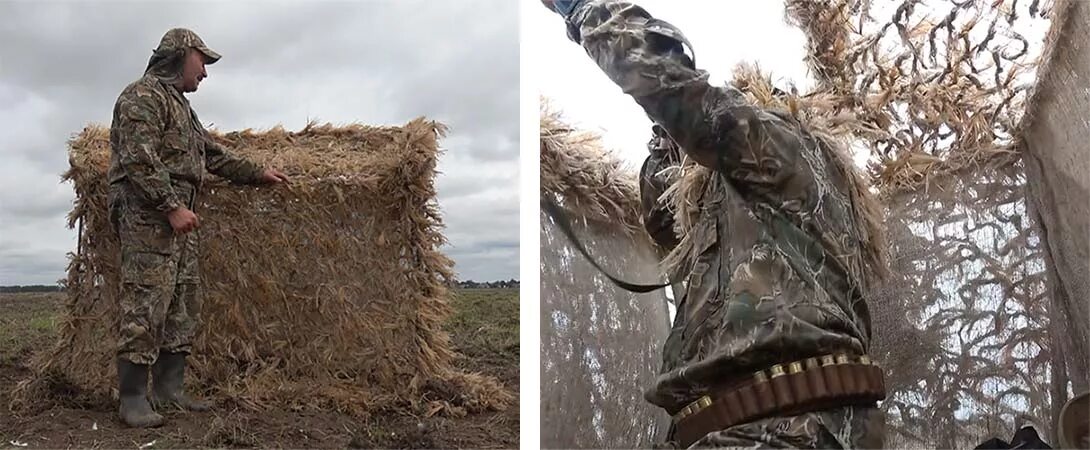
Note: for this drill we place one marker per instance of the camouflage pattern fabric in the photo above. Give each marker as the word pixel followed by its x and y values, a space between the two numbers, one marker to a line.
pixel 840 428
pixel 156 138
pixel 166 59
pixel 159 155
pixel 777 273
pixel 657 218
pixel 160 279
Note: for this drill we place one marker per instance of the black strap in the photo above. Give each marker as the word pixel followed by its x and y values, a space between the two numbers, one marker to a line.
pixel 557 214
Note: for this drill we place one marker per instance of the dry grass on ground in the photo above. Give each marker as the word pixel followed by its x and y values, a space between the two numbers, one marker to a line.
pixel 484 329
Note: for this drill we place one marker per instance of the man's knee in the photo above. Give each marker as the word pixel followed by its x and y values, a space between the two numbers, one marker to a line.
pixel 143 314
pixel 184 318
pixel 138 340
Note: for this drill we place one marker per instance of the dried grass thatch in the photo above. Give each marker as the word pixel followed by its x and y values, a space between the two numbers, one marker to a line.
pixel 944 91
pixel 592 330
pixel 829 127
pixel 591 182
pixel 326 293
pixel 946 83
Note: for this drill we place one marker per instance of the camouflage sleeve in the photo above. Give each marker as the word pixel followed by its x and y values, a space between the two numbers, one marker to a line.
pixel 138 151
pixel 222 163
pixel 657 219
pixel 714 125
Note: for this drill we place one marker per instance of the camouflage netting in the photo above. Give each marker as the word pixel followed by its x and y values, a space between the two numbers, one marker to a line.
pixel 1058 170
pixel 600 345
pixel 326 293
pixel 943 89
pixel 976 155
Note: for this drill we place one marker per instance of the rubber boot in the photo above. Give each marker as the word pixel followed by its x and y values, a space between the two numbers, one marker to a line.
pixel 135 411
pixel 168 375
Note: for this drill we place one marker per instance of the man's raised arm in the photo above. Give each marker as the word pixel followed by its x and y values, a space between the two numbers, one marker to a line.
pixel 714 125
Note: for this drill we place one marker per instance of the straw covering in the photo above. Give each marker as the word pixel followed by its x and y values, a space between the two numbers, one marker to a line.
pixel 593 183
pixel 600 345
pixel 936 87
pixel 326 293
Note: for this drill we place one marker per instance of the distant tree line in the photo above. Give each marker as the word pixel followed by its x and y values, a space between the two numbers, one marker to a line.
pixel 470 284
pixel 33 288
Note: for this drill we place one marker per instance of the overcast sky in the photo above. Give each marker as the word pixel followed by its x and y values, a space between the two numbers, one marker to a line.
pixel 723 33
pixel 62 65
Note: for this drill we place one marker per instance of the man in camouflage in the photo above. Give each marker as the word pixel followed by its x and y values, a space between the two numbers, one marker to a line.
pixel 160 152
pixel 657 220
pixel 779 258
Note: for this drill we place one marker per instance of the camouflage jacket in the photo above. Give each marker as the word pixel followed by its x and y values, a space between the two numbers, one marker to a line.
pixel 157 140
pixel 657 218
pixel 777 272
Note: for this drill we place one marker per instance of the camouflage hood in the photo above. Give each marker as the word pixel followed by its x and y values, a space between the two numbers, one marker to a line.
pixel 166 60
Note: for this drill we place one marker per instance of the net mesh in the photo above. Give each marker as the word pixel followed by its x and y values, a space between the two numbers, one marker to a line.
pixel 962 327
pixel 600 345
pixel 940 91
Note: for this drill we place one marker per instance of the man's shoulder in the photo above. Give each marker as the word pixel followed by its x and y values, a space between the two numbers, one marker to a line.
pixel 146 89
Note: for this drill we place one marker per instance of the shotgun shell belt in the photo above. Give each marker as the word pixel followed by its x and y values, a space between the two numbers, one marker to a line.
pixel 813 384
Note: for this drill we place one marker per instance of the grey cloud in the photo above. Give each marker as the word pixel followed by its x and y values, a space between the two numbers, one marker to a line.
pixel 285 63
pixel 37 207
pixel 32 268
pixel 473 176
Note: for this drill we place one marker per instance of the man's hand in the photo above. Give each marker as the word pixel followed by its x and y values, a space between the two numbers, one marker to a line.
pixel 182 220
pixel 273 176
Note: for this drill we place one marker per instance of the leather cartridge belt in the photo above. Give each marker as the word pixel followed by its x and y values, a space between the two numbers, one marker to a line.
pixel 812 384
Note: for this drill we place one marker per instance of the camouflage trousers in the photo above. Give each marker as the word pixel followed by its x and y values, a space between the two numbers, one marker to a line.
pixel 839 428
pixel 160 298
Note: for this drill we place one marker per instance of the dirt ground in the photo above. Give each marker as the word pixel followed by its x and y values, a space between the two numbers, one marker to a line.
pixel 484 329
